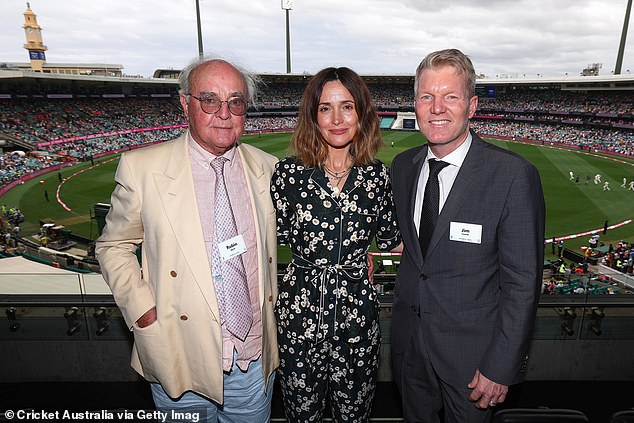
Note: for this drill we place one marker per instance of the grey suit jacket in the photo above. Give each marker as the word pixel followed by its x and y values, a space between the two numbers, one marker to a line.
pixel 476 302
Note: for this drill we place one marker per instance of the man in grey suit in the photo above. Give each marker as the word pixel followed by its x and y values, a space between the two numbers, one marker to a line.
pixel 463 310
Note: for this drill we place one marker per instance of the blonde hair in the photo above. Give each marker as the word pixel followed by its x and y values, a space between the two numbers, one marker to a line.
pixel 449 57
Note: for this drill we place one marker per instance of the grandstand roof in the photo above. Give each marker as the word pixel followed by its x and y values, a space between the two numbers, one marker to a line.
pixel 27 65
pixel 21 83
pixel 16 82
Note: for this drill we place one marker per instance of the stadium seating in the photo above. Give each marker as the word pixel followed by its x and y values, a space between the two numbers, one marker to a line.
pixel 82 128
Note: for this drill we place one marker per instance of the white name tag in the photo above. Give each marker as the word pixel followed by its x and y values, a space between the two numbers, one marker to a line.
pixel 232 247
pixel 465 232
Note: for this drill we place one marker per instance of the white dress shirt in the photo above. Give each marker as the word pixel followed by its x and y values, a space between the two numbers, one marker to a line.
pixel 446 177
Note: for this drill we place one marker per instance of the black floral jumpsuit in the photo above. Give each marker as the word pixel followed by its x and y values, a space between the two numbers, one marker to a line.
pixel 327 309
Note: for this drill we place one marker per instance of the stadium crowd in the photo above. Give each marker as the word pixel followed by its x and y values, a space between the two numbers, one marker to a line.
pixel 270 124
pixel 620 257
pixel 595 139
pixel 582 279
pixel 13 165
pixel 60 130
pixel 10 219
pixel 51 120
pixel 568 102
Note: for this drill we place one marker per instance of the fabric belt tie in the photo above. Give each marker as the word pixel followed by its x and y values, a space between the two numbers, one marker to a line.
pixel 331 272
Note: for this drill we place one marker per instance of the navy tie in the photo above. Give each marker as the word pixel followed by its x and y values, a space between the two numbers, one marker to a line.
pixel 431 205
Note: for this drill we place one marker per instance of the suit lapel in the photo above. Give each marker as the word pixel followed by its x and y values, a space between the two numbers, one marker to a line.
pixel 176 189
pixel 409 233
pixel 258 184
pixel 462 186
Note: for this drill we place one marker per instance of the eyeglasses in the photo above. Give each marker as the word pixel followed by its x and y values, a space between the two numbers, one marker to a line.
pixel 211 104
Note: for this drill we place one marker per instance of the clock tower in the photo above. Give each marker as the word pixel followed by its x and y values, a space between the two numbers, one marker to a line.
pixel 34 43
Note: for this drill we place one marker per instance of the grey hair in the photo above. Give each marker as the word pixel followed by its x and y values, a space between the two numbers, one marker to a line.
pixel 449 57
pixel 251 80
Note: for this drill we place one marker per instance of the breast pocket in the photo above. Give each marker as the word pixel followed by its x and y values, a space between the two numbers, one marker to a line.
pixel 360 226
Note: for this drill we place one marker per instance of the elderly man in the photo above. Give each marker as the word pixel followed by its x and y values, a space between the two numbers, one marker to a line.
pixel 201 303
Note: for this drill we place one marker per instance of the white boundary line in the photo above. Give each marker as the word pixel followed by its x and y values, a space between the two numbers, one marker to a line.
pixel 59 187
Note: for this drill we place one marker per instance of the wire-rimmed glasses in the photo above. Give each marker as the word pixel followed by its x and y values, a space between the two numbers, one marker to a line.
pixel 211 104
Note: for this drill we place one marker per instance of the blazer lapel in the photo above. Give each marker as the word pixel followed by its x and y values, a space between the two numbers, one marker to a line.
pixel 409 233
pixel 258 184
pixel 462 186
pixel 176 189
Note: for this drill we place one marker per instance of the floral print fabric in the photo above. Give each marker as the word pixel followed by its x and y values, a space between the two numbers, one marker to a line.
pixel 326 289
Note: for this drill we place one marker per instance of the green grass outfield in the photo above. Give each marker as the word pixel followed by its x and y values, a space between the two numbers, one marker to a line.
pixel 571 208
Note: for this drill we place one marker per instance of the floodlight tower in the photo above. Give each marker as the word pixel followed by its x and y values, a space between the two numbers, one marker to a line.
pixel 287 5
pixel 200 31
pixel 619 56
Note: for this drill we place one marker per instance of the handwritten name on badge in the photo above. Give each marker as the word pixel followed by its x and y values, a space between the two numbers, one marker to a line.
pixel 465 232
pixel 232 247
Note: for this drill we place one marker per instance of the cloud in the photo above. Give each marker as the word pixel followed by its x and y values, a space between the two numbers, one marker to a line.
pixel 371 36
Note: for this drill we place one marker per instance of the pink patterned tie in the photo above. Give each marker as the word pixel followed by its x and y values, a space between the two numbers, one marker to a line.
pixel 229 275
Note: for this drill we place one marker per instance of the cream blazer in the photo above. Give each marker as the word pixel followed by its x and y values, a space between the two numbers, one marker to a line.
pixel 154 205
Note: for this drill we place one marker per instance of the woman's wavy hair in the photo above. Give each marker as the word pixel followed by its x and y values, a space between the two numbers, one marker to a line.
pixel 307 142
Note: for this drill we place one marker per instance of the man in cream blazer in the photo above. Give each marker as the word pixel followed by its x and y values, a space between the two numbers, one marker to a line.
pixel 163 202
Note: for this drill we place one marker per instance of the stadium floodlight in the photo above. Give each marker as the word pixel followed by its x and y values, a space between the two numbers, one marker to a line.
pixel 287 5
pixel 201 53
pixel 619 56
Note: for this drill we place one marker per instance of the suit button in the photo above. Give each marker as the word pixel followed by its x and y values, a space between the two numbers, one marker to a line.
pixel 270 259
pixel 270 298
pixel 173 273
pixel 184 317
pixel 423 276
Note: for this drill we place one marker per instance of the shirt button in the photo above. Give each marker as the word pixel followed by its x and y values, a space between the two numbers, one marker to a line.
pixel 184 317
pixel 173 273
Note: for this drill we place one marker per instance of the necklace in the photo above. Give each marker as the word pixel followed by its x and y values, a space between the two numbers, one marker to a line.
pixel 339 174
pixel 337 177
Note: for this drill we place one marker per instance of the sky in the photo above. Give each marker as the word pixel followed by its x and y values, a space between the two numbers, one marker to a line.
pixel 503 38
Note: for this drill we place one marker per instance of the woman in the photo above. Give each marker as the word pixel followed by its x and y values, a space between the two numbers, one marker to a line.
pixel 333 199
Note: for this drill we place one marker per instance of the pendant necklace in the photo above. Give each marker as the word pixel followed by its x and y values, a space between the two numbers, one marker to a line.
pixel 337 176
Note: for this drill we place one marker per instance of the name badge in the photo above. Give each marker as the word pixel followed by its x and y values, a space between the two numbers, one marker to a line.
pixel 465 232
pixel 232 247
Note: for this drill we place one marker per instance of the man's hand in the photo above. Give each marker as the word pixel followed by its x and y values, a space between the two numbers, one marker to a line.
pixel 486 393
pixel 147 319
